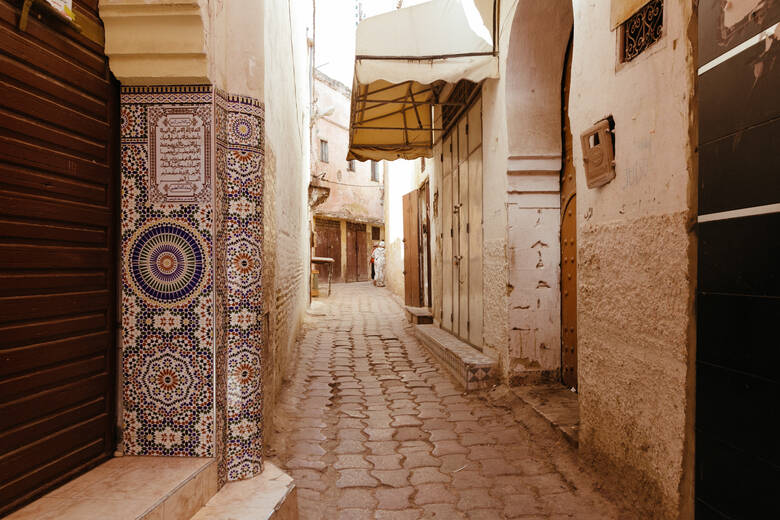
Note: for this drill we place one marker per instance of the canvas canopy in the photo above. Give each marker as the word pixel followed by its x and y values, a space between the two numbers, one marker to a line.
pixel 404 62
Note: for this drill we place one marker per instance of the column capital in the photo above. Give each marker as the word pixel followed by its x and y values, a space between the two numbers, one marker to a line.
pixel 157 42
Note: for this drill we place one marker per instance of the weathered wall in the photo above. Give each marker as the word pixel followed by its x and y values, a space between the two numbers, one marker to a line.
pixel 636 279
pixel 353 195
pixel 286 273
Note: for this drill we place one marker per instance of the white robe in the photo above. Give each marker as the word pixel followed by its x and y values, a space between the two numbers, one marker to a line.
pixel 379 266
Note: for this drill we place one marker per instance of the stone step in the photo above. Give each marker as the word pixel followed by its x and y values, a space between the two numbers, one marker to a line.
pixel 418 315
pixel 271 495
pixel 471 368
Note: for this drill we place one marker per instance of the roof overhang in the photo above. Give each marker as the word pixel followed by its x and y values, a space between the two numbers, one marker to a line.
pixel 404 60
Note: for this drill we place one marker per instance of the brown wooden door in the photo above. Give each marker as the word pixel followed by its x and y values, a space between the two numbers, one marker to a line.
pixel 568 246
pixel 424 244
pixel 58 167
pixel 353 253
pixel 361 238
pixel 411 250
pixel 328 245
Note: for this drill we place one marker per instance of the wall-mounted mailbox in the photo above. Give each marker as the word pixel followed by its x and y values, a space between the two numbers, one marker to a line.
pixel 598 153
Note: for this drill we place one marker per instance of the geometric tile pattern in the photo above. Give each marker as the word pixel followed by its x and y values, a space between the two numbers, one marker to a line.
pixel 167 289
pixel 239 230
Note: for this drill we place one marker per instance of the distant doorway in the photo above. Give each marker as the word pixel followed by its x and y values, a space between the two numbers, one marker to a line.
pixel 328 243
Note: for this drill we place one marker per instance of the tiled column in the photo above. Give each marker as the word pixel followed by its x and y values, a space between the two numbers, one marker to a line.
pixel 239 145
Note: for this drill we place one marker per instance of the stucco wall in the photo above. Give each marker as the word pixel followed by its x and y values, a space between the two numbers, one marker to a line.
pixel 635 251
pixel 287 169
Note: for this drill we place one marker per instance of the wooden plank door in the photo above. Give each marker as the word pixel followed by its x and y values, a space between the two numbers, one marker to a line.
pixel 361 237
pixel 411 250
pixel 475 225
pixel 463 231
pixel 328 244
pixel 568 246
pixel 59 134
pixel 447 235
pixel 455 260
pixel 352 254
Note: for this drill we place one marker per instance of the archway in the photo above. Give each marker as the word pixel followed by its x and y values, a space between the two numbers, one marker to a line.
pixel 534 72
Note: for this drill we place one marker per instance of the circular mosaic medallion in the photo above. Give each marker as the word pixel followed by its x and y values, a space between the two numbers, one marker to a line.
pixel 166 262
pixel 242 128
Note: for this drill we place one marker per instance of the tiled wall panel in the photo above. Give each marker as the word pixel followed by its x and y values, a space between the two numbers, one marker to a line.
pixel 167 270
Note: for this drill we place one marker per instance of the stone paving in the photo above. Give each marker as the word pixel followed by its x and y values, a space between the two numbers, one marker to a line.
pixel 370 427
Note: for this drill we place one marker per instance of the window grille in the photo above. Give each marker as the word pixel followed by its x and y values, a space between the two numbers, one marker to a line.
pixel 642 30
pixel 456 103
pixel 374 171
pixel 323 150
pixel 351 165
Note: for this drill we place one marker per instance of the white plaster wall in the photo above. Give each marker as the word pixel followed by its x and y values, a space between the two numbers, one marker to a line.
pixel 287 166
pixel 636 266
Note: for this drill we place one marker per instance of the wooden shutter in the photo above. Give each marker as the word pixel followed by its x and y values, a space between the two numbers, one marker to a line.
pixel 58 243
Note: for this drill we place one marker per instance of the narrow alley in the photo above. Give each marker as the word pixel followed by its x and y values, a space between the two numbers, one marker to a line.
pixel 369 426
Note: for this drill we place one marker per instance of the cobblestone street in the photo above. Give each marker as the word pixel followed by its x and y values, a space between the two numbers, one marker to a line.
pixel 370 427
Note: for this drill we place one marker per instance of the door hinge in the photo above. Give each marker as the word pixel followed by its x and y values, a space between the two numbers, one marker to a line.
pixel 467 129
pixel 451 235
pixel 442 157
pixel 450 147
pixel 468 325
pixel 452 317
pixel 468 228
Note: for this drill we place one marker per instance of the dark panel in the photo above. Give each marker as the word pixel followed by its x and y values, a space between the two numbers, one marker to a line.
pixel 740 256
pixel 723 414
pixel 717 35
pixel 737 485
pixel 737 333
pixel 741 170
pixel 739 93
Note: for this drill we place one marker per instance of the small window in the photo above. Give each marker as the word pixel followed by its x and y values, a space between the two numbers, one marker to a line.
pixel 374 233
pixel 374 171
pixel 351 165
pixel 641 30
pixel 323 150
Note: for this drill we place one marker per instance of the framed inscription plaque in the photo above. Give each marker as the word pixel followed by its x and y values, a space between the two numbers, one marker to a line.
pixel 180 153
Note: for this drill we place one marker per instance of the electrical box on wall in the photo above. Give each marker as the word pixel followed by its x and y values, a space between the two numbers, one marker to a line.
pixel 598 154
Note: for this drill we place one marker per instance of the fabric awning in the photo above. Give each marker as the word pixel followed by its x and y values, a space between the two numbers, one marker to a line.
pixel 403 61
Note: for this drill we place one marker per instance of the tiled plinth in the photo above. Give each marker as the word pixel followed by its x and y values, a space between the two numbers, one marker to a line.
pixel 130 488
pixel 270 495
pixel 470 368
